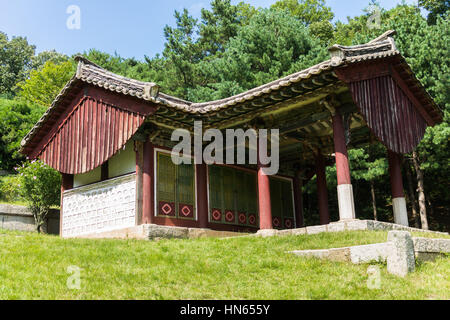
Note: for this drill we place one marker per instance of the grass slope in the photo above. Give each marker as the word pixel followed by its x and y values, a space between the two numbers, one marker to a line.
pixel 34 266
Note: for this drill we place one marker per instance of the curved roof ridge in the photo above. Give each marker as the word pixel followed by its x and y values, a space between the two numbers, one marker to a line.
pixel 285 81
pixel 378 47
pixel 91 73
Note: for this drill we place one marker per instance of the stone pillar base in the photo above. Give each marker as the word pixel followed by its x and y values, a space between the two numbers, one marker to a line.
pixel 400 212
pixel 346 202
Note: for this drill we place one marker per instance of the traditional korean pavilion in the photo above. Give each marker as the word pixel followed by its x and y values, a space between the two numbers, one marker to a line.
pixel 109 137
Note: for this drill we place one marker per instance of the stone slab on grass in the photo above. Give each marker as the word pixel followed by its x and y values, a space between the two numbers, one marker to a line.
pixel 336 227
pixel 377 252
pixel 400 252
pixel 354 225
pixel 401 259
pixel 156 231
pixel 295 232
pixel 335 254
pixel 194 233
pixel 356 254
pixel 267 233
pixel 316 229
pixel 153 231
pixel 431 245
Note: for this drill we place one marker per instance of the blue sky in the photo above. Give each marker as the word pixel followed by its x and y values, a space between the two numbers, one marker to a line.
pixel 132 28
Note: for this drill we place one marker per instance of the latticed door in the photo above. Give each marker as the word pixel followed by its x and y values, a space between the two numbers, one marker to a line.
pixel 175 188
pixel 281 203
pixel 232 196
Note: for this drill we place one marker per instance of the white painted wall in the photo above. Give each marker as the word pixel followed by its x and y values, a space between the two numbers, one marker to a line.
pixel 123 162
pixel 87 178
pixel 100 207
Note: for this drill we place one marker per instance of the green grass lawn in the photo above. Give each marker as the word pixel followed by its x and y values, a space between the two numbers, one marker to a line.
pixel 34 266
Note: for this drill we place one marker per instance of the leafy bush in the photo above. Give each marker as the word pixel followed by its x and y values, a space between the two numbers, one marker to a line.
pixel 40 187
pixel 9 189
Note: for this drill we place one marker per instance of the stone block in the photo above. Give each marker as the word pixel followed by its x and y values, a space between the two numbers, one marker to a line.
pixel 380 225
pixel 195 233
pixel 321 254
pixel 298 231
pixel 156 231
pixel 353 225
pixel 431 245
pixel 286 232
pixel 336 227
pixel 400 227
pixel 377 252
pixel 335 254
pixel 339 254
pixel 427 256
pixel 267 233
pixel 401 258
pixel 316 229
pixel 292 232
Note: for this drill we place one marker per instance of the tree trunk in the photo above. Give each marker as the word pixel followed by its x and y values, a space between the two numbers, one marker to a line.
pixel 430 207
pixel 374 201
pixel 412 195
pixel 421 192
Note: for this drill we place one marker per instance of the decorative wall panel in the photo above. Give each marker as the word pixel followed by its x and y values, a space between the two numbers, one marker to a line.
pixel 100 207
pixel 282 203
pixel 232 196
pixel 175 188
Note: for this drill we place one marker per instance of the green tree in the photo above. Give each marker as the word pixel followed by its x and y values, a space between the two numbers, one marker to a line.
pixel 182 50
pixel 218 26
pixel 436 8
pixel 15 62
pixel 44 84
pixel 17 118
pixel 314 13
pixel 307 11
pixel 369 164
pixel 192 44
pixel 272 45
pixel 39 60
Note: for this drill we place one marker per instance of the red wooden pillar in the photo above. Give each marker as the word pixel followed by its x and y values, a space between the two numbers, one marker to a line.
pixel 265 209
pixel 298 200
pixel 322 192
pixel 202 194
pixel 344 186
pixel 398 197
pixel 66 184
pixel 148 184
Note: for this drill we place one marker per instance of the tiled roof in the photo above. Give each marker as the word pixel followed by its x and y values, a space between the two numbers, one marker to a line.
pixel 89 72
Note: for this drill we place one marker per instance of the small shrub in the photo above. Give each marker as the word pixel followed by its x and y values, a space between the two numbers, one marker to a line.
pixel 40 187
